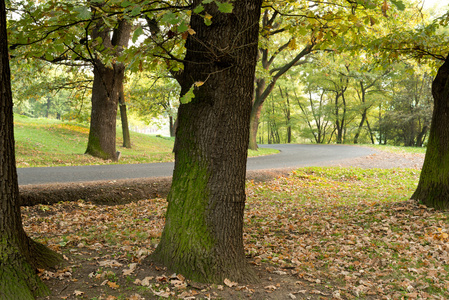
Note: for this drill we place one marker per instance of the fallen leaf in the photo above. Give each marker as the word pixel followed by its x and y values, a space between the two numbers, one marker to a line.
pixel 112 285
pixel 132 268
pixel 230 283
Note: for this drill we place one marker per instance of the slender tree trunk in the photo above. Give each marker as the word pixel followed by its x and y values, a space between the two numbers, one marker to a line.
pixel 421 136
pixel 254 126
pixel 19 255
pixel 370 132
pixel 203 233
pixel 255 113
pixel 359 129
pixel 433 186
pixel 124 119
pixel 172 126
pixel 105 92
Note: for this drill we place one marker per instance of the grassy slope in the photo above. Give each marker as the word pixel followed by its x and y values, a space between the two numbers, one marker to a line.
pixel 43 142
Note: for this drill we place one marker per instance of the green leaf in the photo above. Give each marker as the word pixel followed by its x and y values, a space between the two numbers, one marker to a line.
pixel 137 33
pixel 125 3
pixel 207 1
pixel 399 4
pixel 170 18
pixel 224 7
pixel 59 47
pixel 198 9
pixel 136 10
pixel 106 21
pixel 207 19
pixel 188 97
pixel 183 27
pixel 48 56
pixel 83 12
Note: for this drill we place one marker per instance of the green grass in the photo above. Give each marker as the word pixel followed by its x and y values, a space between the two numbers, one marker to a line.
pixel 397 149
pixel 46 142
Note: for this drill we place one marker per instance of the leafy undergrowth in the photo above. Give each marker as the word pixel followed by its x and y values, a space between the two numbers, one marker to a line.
pixel 320 233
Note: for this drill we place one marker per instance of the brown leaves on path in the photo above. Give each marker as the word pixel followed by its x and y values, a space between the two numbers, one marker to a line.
pixel 329 233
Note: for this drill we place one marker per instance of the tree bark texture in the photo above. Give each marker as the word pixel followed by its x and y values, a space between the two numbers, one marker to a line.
pixel 108 80
pixel 203 234
pixel 433 186
pixel 19 255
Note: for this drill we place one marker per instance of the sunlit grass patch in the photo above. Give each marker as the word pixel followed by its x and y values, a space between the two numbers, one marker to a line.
pixel 398 149
pixel 48 143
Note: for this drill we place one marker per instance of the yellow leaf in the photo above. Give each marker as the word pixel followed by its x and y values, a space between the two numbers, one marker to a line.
pixel 191 31
pixel 113 285
pixel 198 83
pixel 207 16
pixel 292 44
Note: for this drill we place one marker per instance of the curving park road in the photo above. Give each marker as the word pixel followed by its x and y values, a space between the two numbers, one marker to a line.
pixel 290 156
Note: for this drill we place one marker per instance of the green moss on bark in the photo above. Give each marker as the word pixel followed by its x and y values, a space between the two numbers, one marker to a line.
pixel 186 242
pixel 94 148
pixel 18 278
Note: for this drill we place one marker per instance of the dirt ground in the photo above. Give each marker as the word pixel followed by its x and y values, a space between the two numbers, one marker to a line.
pixel 100 273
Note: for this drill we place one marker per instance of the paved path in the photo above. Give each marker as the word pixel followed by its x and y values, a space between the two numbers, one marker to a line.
pixel 291 156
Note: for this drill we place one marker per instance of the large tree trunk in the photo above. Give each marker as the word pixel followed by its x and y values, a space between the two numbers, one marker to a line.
pixel 19 255
pixel 433 186
pixel 105 92
pixel 203 234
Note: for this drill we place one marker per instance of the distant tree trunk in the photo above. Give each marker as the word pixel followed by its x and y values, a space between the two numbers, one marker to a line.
pixel 203 233
pixel 433 186
pixel 124 119
pixel 287 112
pixel 19 255
pixel 359 129
pixel 340 122
pixel 255 113
pixel 263 90
pixel 105 92
pixel 370 131
pixel 47 112
pixel 421 136
pixel 172 125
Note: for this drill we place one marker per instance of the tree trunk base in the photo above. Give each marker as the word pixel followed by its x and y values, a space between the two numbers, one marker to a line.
pixel 201 270
pixel 432 197
pixel 18 278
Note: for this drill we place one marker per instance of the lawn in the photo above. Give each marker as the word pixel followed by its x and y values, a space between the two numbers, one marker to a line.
pixel 49 143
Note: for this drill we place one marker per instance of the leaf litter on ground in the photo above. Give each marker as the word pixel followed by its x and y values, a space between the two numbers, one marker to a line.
pixel 320 233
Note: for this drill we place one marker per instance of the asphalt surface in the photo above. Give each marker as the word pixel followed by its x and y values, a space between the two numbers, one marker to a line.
pixel 290 156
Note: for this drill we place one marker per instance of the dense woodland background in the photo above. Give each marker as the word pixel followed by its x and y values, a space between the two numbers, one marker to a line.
pixel 317 81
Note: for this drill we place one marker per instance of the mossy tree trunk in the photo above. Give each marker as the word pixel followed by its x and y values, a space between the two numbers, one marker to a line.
pixel 108 80
pixel 203 234
pixel 433 186
pixel 19 255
